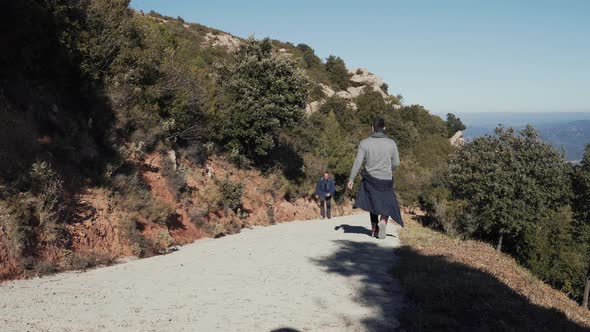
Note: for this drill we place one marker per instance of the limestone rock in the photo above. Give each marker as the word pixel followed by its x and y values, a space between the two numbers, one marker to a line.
pixel 344 94
pixel 362 77
pixel 355 91
pixel 457 140
pixel 224 40
pixel 171 155
pixel 314 106
pixel 327 90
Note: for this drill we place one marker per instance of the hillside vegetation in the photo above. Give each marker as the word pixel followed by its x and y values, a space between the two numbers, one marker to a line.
pixel 519 193
pixel 456 285
pixel 126 133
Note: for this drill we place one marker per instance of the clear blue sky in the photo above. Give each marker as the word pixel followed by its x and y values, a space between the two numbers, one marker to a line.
pixel 450 56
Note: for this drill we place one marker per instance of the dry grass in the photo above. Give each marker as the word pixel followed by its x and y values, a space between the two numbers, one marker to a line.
pixel 466 285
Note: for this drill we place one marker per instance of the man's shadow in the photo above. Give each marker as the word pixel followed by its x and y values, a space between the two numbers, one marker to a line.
pixel 353 229
pixel 356 230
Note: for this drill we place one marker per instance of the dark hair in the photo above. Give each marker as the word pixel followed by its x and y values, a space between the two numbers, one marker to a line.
pixel 378 124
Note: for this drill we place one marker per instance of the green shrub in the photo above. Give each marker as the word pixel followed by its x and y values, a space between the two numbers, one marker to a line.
pixel 337 72
pixel 16 219
pixel 262 93
pixel 445 214
pixel 454 124
pixel 133 196
pixel 131 233
pixel 513 190
pixel 47 204
pixel 231 194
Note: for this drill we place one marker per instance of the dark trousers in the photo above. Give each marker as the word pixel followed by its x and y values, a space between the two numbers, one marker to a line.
pixel 328 207
pixel 375 221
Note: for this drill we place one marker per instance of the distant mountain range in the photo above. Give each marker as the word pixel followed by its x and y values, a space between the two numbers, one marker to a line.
pixel 569 131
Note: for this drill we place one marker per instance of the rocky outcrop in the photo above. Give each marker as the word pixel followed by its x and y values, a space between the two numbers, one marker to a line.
pixel 355 91
pixel 224 40
pixel 344 95
pixel 327 90
pixel 364 78
pixel 457 140
pixel 361 80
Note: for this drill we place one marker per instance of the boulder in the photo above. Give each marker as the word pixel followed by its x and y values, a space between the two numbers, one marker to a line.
pixel 457 140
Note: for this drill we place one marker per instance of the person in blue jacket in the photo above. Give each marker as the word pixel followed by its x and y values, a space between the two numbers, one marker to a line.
pixel 324 191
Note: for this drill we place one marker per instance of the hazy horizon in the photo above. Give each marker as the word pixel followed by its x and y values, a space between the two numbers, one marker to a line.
pixel 567 131
pixel 515 118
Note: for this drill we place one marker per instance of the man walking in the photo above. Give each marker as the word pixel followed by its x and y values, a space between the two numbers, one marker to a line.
pixel 375 194
pixel 324 190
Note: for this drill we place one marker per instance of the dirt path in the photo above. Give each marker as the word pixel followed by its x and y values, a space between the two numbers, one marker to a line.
pixel 298 276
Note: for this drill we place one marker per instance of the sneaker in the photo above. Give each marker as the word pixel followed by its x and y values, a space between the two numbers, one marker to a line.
pixel 374 232
pixel 382 229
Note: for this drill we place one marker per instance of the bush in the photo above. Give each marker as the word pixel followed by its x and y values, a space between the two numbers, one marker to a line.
pixel 444 213
pixel 231 194
pixel 513 190
pixel 197 153
pixel 16 218
pixel 163 241
pixel 309 58
pixel 47 205
pixel 510 181
pixel 132 195
pixel 131 233
pixel 370 105
pixel 454 124
pixel 262 93
pixel 337 72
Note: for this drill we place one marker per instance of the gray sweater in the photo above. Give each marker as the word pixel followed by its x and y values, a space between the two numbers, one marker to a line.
pixel 380 156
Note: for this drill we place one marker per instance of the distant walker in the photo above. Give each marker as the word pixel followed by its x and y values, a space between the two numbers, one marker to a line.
pixel 324 191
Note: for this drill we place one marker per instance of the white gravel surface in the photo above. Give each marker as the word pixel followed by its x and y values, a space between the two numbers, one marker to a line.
pixel 319 275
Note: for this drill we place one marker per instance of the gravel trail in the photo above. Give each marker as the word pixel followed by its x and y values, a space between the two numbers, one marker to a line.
pixel 318 275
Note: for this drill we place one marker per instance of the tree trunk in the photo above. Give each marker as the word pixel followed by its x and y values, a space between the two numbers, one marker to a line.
pixel 499 246
pixel 586 290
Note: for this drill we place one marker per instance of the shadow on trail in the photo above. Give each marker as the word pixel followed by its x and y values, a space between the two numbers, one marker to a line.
pixel 373 264
pixel 348 229
pixel 439 295
pixel 353 229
